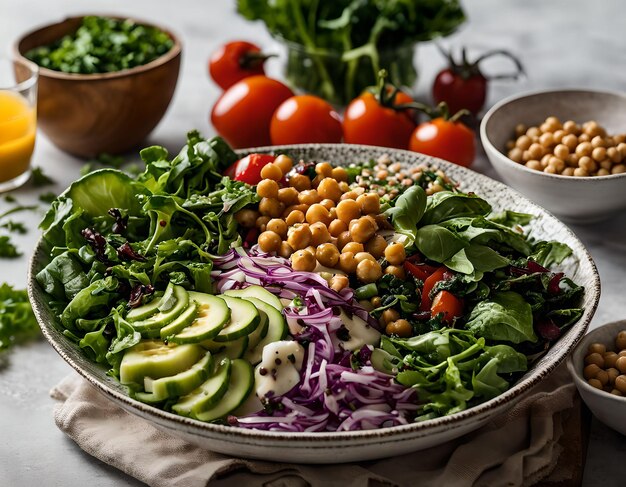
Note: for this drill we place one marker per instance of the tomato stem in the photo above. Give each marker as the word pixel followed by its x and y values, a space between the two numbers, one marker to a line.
pixel 252 59
pixel 466 68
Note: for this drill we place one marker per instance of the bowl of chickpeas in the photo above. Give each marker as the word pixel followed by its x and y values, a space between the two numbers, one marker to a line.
pixel 566 150
pixel 598 367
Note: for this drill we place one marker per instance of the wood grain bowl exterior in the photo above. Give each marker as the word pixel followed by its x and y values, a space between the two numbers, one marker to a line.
pixel 90 114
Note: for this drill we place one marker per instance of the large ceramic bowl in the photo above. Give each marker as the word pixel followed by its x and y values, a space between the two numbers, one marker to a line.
pixel 358 445
pixel 574 199
pixel 90 114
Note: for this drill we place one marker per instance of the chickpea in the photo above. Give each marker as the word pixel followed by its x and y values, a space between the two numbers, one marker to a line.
pixel 568 171
pixel 328 204
pixel 595 358
pixel 620 383
pixel 349 195
pixel 526 156
pixel 376 246
pixel 580 172
pixel 389 315
pixel 612 373
pixel 602 172
pixel 354 247
pixel 396 271
pixel 570 141
pixel 368 271
pixel 288 196
pixel 261 222
pixel 309 197
pixel 299 236
pixel 598 141
pixel 572 160
pixel 588 164
pixel 613 154
pixel 598 154
pixel 546 140
pixel 324 169
pixel 347 262
pixel 596 348
pixel 520 129
pixel 339 282
pixel 246 217
pixel 348 210
pixel 523 142
pixel 609 359
pixel 401 328
pixel 584 138
pixel 319 234
pixel 616 392
pixel 327 254
pixel 515 154
pixel 329 188
pixel 294 217
pixel 271 171
pixel 590 371
pixel 343 239
pixel 603 377
pixel 285 250
pixel 277 226
pixel 550 169
pixel 361 256
pixel 621 147
pixel 363 229
pixel 370 203
pixel 545 160
pixel 336 227
pixel 620 340
pixel 583 149
pixel 571 127
pixel 535 151
pixel 285 163
pixel 606 164
pixel 621 353
pixel 303 260
pixel 619 169
pixel 271 207
pixel 595 383
pixel 534 164
pixel 318 213
pixel 267 188
pixel 545 127
pixel 561 151
pixel 591 128
pixel 620 364
pixel 340 174
pixel 554 122
pixel 269 241
pixel 300 182
pixel 395 253
pixel 558 135
pixel 557 163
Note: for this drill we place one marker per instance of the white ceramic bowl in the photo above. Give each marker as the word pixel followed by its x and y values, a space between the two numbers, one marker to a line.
pixel 338 447
pixel 573 199
pixel 608 408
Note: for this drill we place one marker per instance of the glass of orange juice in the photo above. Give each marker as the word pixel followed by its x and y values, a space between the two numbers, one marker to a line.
pixel 18 121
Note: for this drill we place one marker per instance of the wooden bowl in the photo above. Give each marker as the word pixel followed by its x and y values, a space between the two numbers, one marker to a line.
pixel 90 114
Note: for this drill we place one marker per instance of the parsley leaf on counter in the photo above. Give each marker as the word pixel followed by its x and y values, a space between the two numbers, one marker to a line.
pixel 17 321
pixel 7 248
pixel 13 226
pixel 48 197
pixel 40 178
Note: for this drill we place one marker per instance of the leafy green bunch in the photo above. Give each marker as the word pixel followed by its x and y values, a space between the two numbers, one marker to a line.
pixel 17 321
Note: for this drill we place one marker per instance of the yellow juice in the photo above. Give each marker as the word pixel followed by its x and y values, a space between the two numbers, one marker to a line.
pixel 18 122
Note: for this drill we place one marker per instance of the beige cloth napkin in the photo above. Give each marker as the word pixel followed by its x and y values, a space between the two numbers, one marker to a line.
pixel 517 448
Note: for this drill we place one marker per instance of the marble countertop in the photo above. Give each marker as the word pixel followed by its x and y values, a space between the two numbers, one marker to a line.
pixel 562 43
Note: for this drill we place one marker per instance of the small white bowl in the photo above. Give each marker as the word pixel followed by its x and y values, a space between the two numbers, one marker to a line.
pixel 573 199
pixel 608 408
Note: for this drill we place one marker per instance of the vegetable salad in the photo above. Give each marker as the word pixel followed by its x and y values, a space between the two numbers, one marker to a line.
pixel 288 295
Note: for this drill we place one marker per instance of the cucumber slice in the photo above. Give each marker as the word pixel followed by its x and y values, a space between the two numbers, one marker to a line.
pixel 175 300
pixel 208 394
pixel 179 384
pixel 146 310
pixel 240 386
pixel 213 314
pixel 234 349
pixel 259 293
pixel 261 330
pixel 185 319
pixel 244 318
pixel 155 359
pixel 277 330
pixel 98 192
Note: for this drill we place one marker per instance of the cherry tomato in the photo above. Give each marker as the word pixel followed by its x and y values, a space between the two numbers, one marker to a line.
pixel 447 303
pixel 304 119
pixel 235 61
pixel 429 283
pixel 366 121
pixel 445 139
pixel 418 270
pixel 248 169
pixel 460 92
pixel 243 113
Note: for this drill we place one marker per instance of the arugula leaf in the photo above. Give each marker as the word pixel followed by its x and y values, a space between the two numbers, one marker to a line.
pixel 505 316
pixel 510 218
pixel 407 211
pixel 550 253
pixel 17 321
pixel 446 205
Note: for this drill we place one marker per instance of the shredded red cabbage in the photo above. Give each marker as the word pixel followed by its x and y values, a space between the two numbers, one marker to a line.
pixel 339 390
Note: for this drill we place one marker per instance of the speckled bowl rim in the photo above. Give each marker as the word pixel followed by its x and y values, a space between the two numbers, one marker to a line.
pixel 489 146
pixel 349 438
pixel 164 58
pixel 575 370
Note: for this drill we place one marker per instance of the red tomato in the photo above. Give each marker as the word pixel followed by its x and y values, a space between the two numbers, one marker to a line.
pixel 429 283
pixel 235 61
pixel 445 139
pixel 243 113
pixel 420 271
pixel 367 122
pixel 305 119
pixel 459 91
pixel 447 303
pixel 248 169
